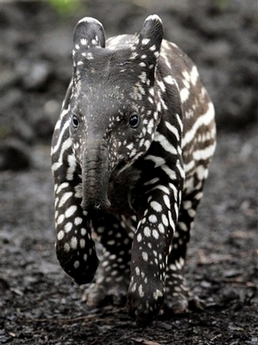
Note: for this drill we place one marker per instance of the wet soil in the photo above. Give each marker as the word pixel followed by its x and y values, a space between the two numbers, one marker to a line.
pixel 39 304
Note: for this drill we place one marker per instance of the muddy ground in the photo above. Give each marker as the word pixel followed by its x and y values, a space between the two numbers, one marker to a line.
pixel 39 304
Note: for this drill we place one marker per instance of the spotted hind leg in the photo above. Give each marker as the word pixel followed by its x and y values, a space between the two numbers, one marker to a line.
pixel 177 292
pixel 112 277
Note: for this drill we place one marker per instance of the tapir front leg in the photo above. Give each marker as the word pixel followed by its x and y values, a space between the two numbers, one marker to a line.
pixel 74 245
pixel 150 251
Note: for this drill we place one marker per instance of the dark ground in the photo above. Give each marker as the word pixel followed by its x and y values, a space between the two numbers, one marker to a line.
pixel 39 304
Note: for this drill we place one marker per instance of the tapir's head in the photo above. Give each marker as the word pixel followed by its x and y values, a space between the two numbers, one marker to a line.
pixel 114 108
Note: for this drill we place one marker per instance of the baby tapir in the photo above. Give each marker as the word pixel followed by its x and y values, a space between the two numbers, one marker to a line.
pixel 130 154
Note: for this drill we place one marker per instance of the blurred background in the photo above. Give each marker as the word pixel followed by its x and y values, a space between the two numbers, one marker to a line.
pixel 35 59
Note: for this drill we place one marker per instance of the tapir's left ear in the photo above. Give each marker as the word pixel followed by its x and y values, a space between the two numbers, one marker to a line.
pixel 88 33
pixel 151 37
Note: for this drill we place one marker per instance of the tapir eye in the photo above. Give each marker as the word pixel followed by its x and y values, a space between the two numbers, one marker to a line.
pixel 134 121
pixel 75 121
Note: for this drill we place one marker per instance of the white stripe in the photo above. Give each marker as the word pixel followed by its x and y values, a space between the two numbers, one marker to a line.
pixel 72 166
pixel 60 138
pixel 175 191
pixel 171 173
pixel 162 188
pixel 205 153
pixel 56 166
pixel 165 143
pixel 204 119
pixel 180 122
pixel 172 129
pixel 157 160
pixel 189 166
pixel 65 146
pixel 180 169
pixel 62 186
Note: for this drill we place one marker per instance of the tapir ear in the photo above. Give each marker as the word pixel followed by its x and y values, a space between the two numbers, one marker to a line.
pixel 88 33
pixel 151 37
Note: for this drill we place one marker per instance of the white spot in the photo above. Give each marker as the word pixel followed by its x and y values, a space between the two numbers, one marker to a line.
pixel 83 41
pixel 68 227
pixel 186 75
pixel 145 41
pixel 178 265
pixel 145 256
pixel 76 264
pixel 182 226
pixel 74 242
pixel 184 94
pixel 187 204
pixel 150 99
pixel 70 211
pixel 164 219
pixel 133 289
pixel 143 77
pixel 155 234
pixel 78 220
pixel 153 218
pixel 66 247
pixel 198 196
pixel 191 212
pixel 66 196
pixel 137 270
pixel 152 48
pixel 156 206
pixel 60 219
pixel 140 290
pixel 147 231
pixel 60 235
pixel 194 75
pixel 172 267
pixel 82 243
pixel 157 294
pixel 139 238
pixel 169 80
pixel 166 201
pixel 161 228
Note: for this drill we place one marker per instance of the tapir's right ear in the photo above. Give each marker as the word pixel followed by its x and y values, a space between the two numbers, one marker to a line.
pixel 88 33
pixel 152 31
pixel 148 45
